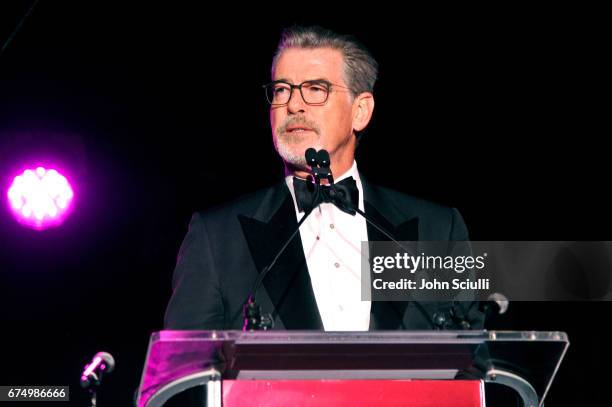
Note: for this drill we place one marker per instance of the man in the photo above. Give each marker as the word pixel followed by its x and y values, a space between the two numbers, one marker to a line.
pixel 321 96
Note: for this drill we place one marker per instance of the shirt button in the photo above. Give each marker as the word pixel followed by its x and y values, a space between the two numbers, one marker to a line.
pixel 337 265
pixel 331 226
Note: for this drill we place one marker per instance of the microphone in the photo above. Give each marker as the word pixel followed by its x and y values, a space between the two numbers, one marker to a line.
pixel 323 159
pixel 102 362
pixel 496 304
pixel 319 163
pixel 320 169
pixel 311 157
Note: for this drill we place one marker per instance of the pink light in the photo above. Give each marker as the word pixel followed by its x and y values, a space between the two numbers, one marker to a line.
pixel 40 198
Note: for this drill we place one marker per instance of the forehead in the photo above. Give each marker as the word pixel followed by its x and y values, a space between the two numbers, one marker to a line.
pixel 298 65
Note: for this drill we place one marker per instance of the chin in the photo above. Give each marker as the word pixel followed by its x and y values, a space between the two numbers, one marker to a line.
pixel 293 153
pixel 292 156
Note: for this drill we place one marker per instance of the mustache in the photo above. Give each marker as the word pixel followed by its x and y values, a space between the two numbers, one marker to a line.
pixel 300 120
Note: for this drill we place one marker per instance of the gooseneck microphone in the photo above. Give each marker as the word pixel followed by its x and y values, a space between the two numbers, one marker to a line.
pixel 91 378
pixel 453 317
pixel 319 162
pixel 496 304
pixel 102 362
pixel 254 320
pixel 322 169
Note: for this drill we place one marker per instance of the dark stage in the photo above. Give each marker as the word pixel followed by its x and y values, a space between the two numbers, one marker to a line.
pixel 157 111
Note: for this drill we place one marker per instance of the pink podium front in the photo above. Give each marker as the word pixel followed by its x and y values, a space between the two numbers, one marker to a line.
pixel 331 393
pixel 384 368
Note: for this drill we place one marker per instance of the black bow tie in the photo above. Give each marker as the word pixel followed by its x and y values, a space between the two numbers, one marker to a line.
pixel 343 194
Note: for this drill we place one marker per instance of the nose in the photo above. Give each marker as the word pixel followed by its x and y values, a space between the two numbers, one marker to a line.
pixel 296 102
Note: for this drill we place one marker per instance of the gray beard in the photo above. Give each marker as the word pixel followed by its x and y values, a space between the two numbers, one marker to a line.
pixel 289 154
pixel 286 144
pixel 287 148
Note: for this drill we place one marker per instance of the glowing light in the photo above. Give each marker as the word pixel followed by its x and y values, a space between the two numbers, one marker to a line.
pixel 40 198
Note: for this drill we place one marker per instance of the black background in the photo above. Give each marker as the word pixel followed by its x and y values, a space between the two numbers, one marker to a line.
pixel 156 110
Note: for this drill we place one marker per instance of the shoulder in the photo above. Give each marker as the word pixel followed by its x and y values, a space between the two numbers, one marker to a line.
pixel 406 202
pixel 436 220
pixel 246 205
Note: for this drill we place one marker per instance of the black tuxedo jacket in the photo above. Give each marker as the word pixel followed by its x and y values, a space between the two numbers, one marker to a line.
pixel 225 248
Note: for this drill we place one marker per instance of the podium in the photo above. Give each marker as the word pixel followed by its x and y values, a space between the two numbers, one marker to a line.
pixel 383 368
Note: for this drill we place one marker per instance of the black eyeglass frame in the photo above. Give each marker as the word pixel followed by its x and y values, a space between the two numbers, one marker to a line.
pixel 291 86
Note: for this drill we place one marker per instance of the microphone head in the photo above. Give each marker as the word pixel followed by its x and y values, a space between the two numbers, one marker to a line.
pixel 501 301
pixel 311 157
pixel 323 158
pixel 102 362
pixel 108 359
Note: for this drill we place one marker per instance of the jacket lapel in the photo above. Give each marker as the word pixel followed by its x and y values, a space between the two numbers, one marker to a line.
pixel 288 282
pixel 387 315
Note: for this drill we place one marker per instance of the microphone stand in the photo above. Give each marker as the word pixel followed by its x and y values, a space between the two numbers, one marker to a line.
pixel 320 169
pixel 253 318
pixel 323 170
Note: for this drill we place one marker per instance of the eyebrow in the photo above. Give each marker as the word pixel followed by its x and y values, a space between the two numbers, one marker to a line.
pixel 323 80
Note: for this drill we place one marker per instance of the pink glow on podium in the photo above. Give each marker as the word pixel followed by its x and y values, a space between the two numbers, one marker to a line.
pixel 40 198
pixel 333 393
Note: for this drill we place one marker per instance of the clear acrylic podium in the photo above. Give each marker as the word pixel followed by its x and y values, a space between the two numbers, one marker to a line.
pixel 427 363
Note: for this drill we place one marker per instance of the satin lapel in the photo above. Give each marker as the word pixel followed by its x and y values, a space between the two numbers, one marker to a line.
pixel 288 282
pixel 387 315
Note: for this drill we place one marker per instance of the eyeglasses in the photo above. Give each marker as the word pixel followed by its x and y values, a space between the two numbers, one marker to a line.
pixel 313 92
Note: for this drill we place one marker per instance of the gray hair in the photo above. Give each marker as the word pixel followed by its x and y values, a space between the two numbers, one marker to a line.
pixel 360 68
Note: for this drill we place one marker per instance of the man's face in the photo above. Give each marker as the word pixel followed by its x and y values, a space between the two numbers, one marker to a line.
pixel 297 125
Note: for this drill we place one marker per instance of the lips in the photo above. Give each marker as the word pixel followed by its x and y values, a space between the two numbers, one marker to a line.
pixel 297 129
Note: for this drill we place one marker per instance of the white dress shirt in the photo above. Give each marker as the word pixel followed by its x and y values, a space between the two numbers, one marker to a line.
pixel 331 240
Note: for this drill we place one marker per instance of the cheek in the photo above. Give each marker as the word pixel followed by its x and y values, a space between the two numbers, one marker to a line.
pixel 276 118
pixel 341 119
pixel 338 114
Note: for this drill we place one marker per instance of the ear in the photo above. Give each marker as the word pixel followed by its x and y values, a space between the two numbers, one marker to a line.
pixel 363 107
